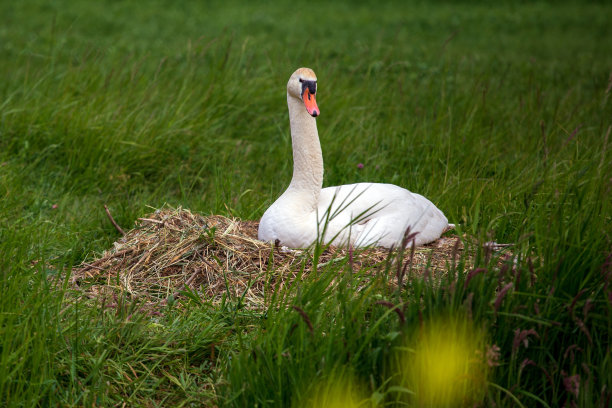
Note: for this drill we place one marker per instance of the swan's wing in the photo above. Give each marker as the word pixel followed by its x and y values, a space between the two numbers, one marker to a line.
pixel 377 214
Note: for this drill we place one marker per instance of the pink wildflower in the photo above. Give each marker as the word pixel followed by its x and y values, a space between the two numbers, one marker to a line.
pixel 493 354
pixel 522 336
pixel 571 383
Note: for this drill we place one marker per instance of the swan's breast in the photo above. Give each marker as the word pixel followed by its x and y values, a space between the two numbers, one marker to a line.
pixel 287 221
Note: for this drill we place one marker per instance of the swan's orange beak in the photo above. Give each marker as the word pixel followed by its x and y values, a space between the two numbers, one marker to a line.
pixel 310 102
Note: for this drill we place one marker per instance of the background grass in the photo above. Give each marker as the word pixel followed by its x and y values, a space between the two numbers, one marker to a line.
pixel 500 115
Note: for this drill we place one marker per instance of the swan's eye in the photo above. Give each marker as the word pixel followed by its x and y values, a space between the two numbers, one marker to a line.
pixel 301 80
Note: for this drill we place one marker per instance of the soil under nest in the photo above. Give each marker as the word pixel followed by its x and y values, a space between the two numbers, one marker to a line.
pixel 174 249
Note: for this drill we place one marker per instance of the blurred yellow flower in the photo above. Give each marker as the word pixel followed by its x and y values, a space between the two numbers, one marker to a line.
pixel 446 364
pixel 342 391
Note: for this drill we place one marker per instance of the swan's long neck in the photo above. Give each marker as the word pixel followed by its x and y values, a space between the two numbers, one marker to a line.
pixel 307 156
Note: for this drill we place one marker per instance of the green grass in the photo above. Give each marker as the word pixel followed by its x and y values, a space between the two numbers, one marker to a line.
pixel 501 115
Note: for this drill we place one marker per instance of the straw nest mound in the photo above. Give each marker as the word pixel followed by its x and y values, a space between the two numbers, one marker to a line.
pixel 172 250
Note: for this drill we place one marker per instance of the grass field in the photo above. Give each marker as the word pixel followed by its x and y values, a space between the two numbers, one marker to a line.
pixel 501 115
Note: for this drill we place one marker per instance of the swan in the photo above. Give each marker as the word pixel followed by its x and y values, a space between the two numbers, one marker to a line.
pixel 358 215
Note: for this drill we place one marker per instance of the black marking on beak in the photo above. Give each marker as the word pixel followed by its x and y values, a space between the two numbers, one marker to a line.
pixel 311 85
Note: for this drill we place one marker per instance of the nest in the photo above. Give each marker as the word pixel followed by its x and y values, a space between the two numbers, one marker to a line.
pixel 174 250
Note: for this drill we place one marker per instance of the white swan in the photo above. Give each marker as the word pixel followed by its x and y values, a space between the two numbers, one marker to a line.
pixel 356 214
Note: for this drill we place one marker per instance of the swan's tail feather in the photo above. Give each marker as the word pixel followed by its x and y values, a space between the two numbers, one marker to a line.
pixel 448 228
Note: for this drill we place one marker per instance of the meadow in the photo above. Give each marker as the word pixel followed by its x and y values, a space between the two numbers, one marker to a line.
pixel 501 115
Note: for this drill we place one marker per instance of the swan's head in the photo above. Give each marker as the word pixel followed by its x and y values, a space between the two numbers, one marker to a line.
pixel 303 86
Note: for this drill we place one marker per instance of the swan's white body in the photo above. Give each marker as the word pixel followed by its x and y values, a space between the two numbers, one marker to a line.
pixel 359 215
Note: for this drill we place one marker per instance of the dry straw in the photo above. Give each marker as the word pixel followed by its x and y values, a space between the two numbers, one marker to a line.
pixel 174 249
